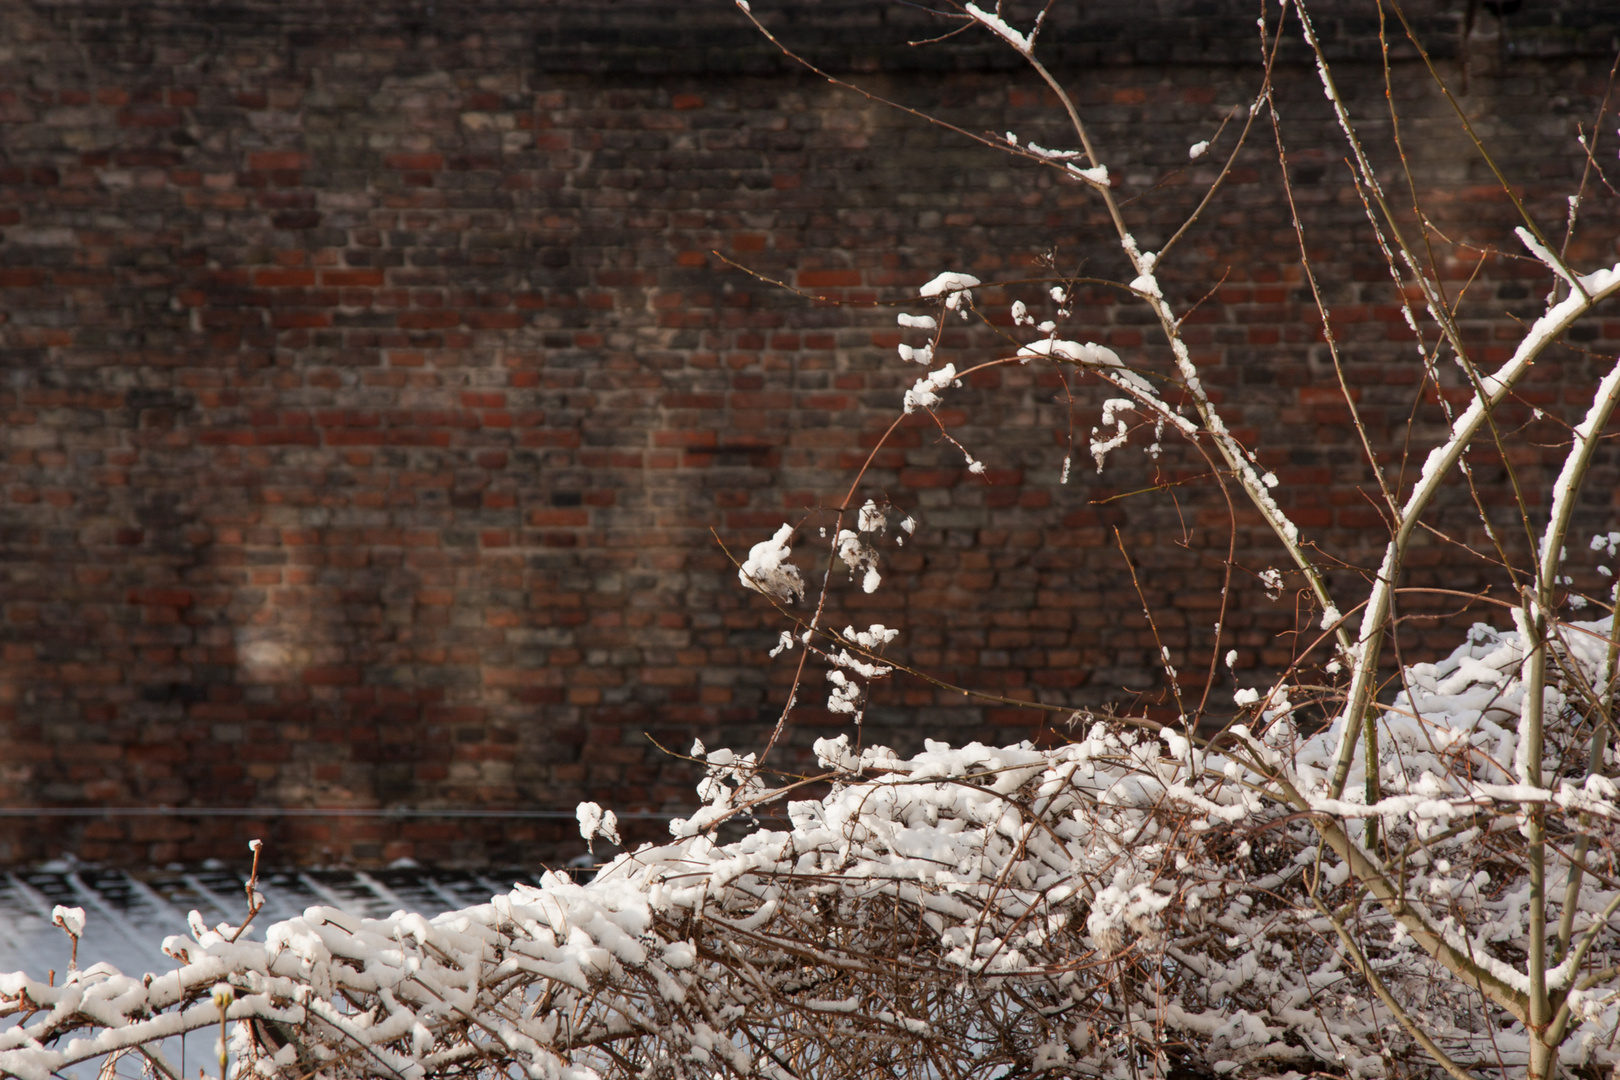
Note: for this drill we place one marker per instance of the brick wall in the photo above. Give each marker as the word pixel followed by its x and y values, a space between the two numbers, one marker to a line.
pixel 370 390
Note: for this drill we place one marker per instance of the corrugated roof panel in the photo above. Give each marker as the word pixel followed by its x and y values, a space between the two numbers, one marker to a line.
pixel 127 916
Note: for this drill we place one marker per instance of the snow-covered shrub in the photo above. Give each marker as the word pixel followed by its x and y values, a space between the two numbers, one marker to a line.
pixel 1378 870
pixel 1130 900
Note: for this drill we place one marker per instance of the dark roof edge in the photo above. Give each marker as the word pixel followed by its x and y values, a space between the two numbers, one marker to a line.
pixel 697 37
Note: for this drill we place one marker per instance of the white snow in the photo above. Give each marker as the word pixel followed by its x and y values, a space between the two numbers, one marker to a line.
pixel 1097 174
pixel 955 287
pixel 1545 257
pixel 1053 155
pixel 999 27
pixel 925 393
pixel 1272 579
pixel 1089 353
pixel 594 822
pixel 768 571
pixel 70 919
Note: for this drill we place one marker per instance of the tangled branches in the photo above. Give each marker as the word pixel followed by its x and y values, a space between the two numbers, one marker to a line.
pixel 1127 902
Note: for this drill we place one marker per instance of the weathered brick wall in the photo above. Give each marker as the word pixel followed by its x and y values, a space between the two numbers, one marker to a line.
pixel 370 390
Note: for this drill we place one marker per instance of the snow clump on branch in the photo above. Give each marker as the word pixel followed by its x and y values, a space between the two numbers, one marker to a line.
pixel 768 571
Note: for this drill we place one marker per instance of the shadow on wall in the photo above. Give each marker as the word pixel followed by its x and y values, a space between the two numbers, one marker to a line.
pixel 212 658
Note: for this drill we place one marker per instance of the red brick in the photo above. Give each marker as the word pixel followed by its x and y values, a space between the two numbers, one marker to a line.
pixel 278 159
pixel 495 320
pixel 288 320
pixel 559 518
pixel 345 278
pixel 283 278
pixel 428 320
pixel 146 116
pixel 161 597
pixel 814 279
pixel 336 675
pixel 426 162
